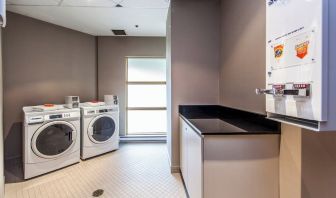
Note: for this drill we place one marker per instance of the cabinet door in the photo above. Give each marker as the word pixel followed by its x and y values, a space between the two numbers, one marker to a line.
pixel 183 150
pixel 194 164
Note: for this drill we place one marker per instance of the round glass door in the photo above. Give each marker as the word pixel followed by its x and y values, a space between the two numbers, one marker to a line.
pixel 53 139
pixel 102 129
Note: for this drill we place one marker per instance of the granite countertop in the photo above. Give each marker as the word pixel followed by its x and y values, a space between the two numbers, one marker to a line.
pixel 219 120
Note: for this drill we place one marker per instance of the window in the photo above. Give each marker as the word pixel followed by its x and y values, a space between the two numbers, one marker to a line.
pixel 146 96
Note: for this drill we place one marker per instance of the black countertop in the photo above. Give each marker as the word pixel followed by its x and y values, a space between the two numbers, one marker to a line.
pixel 220 120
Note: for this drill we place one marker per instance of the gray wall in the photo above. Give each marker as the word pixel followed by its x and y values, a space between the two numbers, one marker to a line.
pixel 42 64
pixel 243 54
pixel 195 47
pixel 2 176
pixel 112 53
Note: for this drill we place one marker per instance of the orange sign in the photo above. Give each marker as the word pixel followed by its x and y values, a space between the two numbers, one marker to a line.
pixel 302 49
pixel 278 51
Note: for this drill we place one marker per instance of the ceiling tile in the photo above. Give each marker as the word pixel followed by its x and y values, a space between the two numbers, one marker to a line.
pixel 100 20
pixel 34 2
pixel 89 3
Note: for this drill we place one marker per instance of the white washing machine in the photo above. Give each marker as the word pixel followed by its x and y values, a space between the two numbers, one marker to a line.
pixel 51 139
pixel 100 129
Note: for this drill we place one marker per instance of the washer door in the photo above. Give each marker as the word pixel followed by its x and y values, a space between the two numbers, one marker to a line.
pixel 101 129
pixel 53 139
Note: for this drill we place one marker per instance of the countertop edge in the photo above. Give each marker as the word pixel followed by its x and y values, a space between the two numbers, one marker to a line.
pixel 201 134
pixel 198 132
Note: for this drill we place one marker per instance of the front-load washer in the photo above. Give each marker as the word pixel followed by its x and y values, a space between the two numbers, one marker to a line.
pixel 100 129
pixel 51 138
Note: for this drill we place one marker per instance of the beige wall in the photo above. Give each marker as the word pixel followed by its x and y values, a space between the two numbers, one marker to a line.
pixel 195 32
pixel 112 53
pixel 307 163
pixel 243 54
pixel 42 64
pixel 290 162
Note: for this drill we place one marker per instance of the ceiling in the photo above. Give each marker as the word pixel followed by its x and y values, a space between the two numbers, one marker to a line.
pixel 98 17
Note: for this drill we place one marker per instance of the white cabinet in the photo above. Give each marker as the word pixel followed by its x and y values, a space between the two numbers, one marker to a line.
pixel 233 166
pixel 194 164
pixel 183 148
pixel 191 160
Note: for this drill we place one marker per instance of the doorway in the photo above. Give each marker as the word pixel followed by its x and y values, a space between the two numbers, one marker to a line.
pixel 146 98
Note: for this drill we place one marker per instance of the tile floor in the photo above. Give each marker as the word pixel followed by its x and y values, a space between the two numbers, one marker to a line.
pixel 135 170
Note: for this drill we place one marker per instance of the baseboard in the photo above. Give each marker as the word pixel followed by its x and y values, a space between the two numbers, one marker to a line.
pixel 146 139
pixel 174 169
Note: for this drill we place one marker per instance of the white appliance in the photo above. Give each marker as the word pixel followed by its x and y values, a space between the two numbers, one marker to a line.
pixel 100 129
pixel 72 102
pixel 51 139
pixel 111 99
pixel 301 62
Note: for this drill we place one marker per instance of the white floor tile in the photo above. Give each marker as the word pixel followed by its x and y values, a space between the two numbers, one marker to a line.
pixel 135 170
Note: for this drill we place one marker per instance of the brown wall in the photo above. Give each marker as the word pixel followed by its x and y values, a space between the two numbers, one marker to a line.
pixel 243 54
pixel 194 36
pixel 112 53
pixel 42 64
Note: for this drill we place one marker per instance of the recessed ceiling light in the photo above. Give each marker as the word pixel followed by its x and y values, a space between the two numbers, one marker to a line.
pixel 118 6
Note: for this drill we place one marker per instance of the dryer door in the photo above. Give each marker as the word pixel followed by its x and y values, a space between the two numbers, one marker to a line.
pixel 101 129
pixel 53 139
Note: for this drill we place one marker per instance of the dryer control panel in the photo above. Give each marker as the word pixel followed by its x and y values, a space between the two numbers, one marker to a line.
pixel 100 110
pixel 35 119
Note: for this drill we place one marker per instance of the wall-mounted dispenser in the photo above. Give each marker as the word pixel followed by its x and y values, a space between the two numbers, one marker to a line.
pixel 301 63
pixel 2 13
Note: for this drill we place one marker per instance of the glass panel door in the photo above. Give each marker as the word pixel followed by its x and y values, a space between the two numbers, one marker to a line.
pixel 152 95
pixel 146 96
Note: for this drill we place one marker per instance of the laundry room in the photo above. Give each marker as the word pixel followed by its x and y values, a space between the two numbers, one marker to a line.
pixel 60 62
pixel 47 62
pixel 167 98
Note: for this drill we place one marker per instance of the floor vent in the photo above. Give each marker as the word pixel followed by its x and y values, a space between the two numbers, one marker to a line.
pixel 98 193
